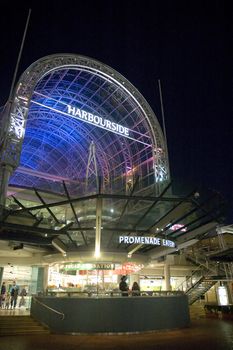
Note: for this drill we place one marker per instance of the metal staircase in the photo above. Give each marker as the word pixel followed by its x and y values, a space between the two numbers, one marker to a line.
pixel 206 275
pixel 199 288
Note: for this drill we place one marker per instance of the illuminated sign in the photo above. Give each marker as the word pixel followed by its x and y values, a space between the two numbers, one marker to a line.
pixel 96 120
pixel 147 240
pixel 93 119
pixel 97 266
pixel 178 227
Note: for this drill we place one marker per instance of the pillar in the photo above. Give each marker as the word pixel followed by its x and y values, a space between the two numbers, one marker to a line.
pixel 5 173
pixel 167 275
pixel 98 227
pixel 39 281
pixel 45 278
pixel 1 275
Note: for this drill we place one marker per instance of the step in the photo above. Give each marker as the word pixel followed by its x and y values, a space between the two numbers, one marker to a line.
pixel 23 332
pixel 17 325
pixel 20 325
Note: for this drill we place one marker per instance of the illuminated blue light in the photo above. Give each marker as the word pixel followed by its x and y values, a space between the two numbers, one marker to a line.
pixel 55 143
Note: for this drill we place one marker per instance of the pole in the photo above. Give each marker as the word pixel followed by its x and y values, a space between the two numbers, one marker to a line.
pixel 7 169
pixel 163 121
pixel 19 56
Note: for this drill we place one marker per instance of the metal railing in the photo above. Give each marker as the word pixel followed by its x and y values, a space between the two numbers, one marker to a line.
pixel 48 307
pixel 104 294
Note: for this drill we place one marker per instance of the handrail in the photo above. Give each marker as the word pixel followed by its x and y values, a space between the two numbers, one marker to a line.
pixel 115 293
pixel 49 308
pixel 198 269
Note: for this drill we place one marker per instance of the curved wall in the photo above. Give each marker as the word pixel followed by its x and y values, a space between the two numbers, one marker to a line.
pixel 113 315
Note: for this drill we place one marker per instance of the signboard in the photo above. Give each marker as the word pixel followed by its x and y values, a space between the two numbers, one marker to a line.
pixel 97 266
pixel 97 120
pixel 147 240
pixel 128 268
pixel 93 119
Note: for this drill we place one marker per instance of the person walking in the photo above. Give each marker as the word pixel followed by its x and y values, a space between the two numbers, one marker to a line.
pixel 123 286
pixel 14 292
pixel 3 294
pixel 7 300
pixel 23 294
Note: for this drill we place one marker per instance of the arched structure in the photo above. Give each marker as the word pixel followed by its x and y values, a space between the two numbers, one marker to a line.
pixel 86 162
pixel 69 102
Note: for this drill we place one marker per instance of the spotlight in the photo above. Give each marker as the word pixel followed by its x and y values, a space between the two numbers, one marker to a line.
pixel 20 246
pixel 59 245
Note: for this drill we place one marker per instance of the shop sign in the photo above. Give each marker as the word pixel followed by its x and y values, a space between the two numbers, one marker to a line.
pixel 128 268
pixel 147 277
pixel 147 240
pixel 97 266
pixel 104 266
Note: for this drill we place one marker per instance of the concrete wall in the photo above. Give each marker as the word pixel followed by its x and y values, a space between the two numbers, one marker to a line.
pixel 116 314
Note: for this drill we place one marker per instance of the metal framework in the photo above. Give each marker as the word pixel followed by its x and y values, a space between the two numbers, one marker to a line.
pixel 55 145
pixel 86 183
pixel 42 220
pixel 92 171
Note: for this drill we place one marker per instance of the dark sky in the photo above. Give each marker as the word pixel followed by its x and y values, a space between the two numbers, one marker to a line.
pixel 185 44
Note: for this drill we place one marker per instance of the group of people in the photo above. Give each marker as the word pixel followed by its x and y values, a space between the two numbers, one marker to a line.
pixel 124 288
pixel 8 299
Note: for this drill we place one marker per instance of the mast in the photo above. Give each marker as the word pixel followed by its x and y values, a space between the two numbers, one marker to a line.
pixel 19 56
pixel 163 124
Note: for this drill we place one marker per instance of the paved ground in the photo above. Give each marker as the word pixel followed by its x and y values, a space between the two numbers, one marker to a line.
pixel 203 334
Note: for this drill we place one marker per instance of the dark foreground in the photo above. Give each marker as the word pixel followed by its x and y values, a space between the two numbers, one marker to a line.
pixel 203 334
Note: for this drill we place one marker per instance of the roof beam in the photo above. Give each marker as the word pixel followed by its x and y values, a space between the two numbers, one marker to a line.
pixel 124 208
pixel 105 196
pixel 74 212
pixel 28 211
pixel 24 228
pixel 45 205
pixel 152 205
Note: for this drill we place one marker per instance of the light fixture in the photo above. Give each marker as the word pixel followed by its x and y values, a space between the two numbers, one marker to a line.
pixel 97 252
pixel 20 246
pixel 59 245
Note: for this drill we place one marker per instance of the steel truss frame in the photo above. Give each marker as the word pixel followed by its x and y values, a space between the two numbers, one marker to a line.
pixel 17 111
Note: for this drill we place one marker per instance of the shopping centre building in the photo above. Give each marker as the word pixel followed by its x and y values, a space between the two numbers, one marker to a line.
pixel 86 194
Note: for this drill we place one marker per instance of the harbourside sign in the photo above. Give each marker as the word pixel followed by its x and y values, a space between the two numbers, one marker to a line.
pixel 147 240
pixel 97 120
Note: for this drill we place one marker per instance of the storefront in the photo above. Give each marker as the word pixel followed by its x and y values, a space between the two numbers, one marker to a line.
pixel 88 277
pixel 157 283
pixel 30 278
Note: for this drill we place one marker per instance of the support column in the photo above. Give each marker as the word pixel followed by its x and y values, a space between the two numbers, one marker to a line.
pixel 98 226
pixel 1 275
pixel 167 275
pixel 91 171
pixel 45 278
pixel 5 173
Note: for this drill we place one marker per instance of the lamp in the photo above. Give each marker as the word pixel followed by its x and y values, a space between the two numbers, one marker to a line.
pixel 59 245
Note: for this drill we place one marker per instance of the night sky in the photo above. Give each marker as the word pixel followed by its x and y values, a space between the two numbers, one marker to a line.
pixel 185 44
